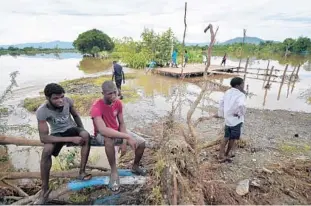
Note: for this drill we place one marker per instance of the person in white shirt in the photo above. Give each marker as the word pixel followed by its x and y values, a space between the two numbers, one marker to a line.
pixel 232 108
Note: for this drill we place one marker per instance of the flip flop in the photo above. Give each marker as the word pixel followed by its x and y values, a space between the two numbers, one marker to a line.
pixel 114 184
pixel 84 176
pixel 42 199
pixel 139 171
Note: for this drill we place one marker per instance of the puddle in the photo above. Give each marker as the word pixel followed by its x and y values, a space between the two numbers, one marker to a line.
pixel 157 93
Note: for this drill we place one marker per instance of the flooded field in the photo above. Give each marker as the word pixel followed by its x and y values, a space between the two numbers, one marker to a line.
pixel 156 94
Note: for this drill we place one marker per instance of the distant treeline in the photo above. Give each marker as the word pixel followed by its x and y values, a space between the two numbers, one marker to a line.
pixel 302 45
pixel 32 51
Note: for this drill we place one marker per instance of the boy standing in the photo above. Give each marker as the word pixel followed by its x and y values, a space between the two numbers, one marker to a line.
pixel 232 108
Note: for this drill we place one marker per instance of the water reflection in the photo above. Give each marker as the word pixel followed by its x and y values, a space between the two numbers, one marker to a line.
pixel 92 65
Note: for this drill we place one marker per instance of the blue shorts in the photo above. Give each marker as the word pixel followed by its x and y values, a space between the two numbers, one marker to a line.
pixel 233 132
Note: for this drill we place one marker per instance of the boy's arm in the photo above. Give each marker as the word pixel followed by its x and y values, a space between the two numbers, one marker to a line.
pixel 106 131
pixel 123 77
pixel 221 108
pixel 74 113
pixel 241 110
pixel 96 115
pixel 49 139
pixel 76 116
pixel 112 73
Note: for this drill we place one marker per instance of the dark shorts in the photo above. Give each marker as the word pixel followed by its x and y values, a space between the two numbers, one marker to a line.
pixel 71 132
pixel 233 132
pixel 118 83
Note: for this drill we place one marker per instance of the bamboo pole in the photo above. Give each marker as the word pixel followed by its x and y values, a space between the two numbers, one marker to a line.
pixel 267 70
pixel 296 76
pixel 18 141
pixel 282 82
pixel 37 175
pixel 269 77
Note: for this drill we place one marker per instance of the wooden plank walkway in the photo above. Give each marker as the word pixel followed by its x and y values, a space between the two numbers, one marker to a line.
pixel 196 70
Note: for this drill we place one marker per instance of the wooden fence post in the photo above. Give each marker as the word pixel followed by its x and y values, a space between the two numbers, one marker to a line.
pixel 245 69
pixel 282 82
pixel 269 77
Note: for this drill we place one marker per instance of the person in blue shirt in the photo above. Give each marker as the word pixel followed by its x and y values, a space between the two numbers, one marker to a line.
pixel 174 58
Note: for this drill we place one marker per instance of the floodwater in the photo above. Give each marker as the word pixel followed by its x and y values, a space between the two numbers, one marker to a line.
pixel 158 94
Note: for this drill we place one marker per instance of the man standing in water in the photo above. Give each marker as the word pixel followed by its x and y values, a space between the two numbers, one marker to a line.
pixel 224 59
pixel 57 112
pixel 232 108
pixel 118 75
pixel 109 127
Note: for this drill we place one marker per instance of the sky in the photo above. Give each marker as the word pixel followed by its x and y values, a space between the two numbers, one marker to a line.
pixel 48 20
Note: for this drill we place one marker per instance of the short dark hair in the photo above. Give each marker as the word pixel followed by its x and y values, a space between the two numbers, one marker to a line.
pixel 109 86
pixel 114 62
pixel 236 81
pixel 53 88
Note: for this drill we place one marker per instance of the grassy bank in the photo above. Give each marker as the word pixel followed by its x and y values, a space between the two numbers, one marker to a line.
pixel 84 91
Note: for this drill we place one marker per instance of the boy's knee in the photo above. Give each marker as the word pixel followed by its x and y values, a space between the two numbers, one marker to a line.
pixel 109 142
pixel 47 150
pixel 85 135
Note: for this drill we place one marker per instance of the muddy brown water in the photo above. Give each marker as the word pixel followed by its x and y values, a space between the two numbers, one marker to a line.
pixel 157 94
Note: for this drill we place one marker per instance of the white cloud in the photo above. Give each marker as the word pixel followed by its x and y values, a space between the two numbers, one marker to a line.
pixel 37 20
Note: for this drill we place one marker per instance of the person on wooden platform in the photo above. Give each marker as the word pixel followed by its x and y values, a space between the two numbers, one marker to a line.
pixel 109 127
pixel 174 58
pixel 232 108
pixel 58 111
pixel 186 58
pixel 224 59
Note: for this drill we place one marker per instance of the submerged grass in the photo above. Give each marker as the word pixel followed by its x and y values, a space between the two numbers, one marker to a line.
pixel 84 91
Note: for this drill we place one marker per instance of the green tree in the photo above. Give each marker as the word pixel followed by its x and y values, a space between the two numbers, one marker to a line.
pixel 93 41
pixel 302 44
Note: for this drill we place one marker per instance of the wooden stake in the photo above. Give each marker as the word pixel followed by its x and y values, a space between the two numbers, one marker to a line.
pixel 296 76
pixel 282 82
pixel 269 77
pixel 245 69
pixel 267 70
pixel 244 35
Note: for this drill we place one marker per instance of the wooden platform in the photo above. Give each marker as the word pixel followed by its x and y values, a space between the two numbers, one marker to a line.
pixel 196 70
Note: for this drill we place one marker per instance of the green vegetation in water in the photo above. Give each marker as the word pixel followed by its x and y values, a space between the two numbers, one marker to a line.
pixel 32 51
pixel 84 92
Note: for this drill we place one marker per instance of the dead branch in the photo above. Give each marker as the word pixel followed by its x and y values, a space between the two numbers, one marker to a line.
pixel 142 135
pixel 92 167
pixel 12 198
pixel 27 200
pixel 199 98
pixel 19 141
pixel 36 175
pixel 183 41
pixel 17 189
pixel 210 144
pixel 201 119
